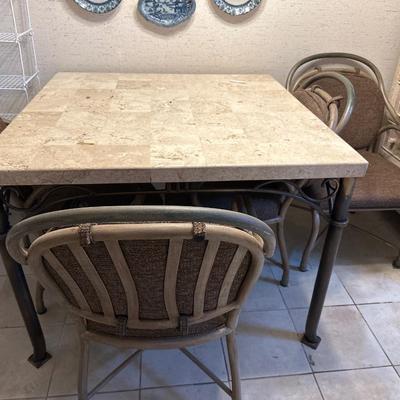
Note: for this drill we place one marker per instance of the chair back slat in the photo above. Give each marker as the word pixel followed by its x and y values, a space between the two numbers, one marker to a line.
pixel 171 273
pixel 94 277
pixel 230 276
pixel 67 279
pixel 150 279
pixel 126 278
pixel 202 280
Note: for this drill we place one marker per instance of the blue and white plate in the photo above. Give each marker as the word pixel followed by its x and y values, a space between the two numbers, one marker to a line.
pixel 100 7
pixel 239 9
pixel 167 13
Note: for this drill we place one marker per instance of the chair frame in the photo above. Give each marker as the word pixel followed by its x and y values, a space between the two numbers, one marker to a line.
pixel 299 74
pixel 336 125
pixel 111 224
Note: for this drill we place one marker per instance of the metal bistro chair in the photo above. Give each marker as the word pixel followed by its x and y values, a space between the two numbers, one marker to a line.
pixel 326 108
pixel 148 277
pixel 373 116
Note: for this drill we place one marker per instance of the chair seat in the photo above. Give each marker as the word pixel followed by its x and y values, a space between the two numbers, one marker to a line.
pixel 261 206
pixel 380 188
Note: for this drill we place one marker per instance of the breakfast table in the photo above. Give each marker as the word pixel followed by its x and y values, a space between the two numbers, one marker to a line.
pixel 109 128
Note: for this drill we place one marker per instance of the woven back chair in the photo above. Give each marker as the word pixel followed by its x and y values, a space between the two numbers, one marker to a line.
pixel 372 117
pixel 148 277
pixel 326 107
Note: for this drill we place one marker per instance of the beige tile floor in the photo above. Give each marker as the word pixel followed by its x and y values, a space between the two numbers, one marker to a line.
pixel 358 359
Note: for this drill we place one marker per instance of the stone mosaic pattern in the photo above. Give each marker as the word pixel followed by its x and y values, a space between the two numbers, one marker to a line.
pixel 167 13
pixel 115 128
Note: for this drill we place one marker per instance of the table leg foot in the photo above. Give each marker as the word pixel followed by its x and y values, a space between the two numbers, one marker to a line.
pixel 38 363
pixel 313 344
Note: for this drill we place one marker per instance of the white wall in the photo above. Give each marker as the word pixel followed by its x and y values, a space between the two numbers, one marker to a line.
pixel 270 40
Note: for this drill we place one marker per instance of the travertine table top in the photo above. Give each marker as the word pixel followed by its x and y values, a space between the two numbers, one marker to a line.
pixel 118 128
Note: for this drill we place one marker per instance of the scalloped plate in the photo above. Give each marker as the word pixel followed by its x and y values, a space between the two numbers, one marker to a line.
pixel 167 13
pixel 98 8
pixel 239 9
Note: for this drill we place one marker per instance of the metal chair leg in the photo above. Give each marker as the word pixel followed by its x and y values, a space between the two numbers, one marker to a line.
pixel 83 370
pixel 316 222
pixel 234 366
pixel 284 252
pixel 39 301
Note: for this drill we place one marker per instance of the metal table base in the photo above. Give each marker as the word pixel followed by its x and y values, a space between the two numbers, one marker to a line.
pixel 338 221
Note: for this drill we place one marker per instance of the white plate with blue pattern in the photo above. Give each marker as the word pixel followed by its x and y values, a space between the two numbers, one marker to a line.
pixel 98 7
pixel 167 13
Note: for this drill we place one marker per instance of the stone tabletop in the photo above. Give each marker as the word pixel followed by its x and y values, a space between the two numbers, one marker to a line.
pixel 115 128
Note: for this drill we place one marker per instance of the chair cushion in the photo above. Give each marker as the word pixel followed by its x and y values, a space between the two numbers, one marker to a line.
pixel 368 113
pixel 316 104
pixel 380 188
pixel 262 206
pixel 146 260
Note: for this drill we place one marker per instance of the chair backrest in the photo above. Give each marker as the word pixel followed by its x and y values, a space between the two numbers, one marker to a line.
pixel 322 103
pixel 368 115
pixel 159 277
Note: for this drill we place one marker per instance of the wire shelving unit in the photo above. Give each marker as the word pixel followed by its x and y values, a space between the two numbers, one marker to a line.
pixel 22 40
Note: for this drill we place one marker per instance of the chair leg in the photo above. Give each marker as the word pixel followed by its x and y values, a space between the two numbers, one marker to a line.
pixel 284 252
pixel 40 307
pixel 234 366
pixel 396 262
pixel 316 222
pixel 83 371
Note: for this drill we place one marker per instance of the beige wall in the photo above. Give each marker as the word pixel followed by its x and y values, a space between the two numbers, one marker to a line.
pixel 270 40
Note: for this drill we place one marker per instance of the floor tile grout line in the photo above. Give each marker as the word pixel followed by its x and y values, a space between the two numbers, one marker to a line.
pixel 374 236
pixel 213 383
pixel 297 333
pixel 140 375
pixel 318 386
pixel 228 373
pixel 368 326
pixel 352 369
pixel 306 308
pixel 54 366
pixel 271 377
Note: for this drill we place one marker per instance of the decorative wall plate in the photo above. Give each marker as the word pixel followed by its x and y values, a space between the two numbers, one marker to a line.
pixel 100 7
pixel 239 9
pixel 167 13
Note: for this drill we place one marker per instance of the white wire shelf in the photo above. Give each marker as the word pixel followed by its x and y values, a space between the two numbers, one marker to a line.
pixel 15 82
pixel 8 37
